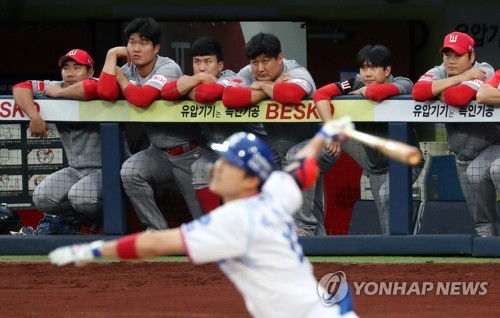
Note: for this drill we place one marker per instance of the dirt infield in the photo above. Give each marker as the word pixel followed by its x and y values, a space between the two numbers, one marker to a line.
pixel 165 289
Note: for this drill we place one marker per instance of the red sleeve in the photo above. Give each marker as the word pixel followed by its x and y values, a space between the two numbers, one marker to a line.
pixel 288 93
pixel 141 96
pixel 494 80
pixel 27 85
pixel 458 96
pixel 237 97
pixel 326 92
pixel 90 89
pixel 208 93
pixel 422 91
pixel 107 88
pixel 306 173
pixel 378 92
pixel 170 92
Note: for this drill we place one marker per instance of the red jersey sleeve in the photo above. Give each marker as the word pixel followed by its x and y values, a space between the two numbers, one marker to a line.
pixel 288 93
pixel 422 91
pixel 141 96
pixel 208 93
pixel 459 96
pixel 237 97
pixel 26 84
pixel 494 80
pixel 90 89
pixel 107 87
pixel 170 92
pixel 326 92
pixel 378 92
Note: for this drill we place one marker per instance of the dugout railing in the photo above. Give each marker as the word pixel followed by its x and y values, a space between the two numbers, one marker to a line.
pixel 399 112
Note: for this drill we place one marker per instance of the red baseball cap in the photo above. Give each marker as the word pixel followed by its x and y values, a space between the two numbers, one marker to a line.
pixel 79 56
pixel 458 42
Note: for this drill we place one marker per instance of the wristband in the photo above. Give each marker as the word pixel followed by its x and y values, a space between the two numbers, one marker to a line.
pixel 126 247
pixel 96 248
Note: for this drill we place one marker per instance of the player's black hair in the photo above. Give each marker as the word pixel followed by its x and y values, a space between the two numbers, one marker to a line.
pixel 263 43
pixel 146 27
pixel 375 55
pixel 206 46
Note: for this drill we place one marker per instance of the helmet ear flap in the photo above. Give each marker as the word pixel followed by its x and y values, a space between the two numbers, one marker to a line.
pixel 9 220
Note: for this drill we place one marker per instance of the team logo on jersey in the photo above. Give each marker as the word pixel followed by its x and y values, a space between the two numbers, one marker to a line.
pixel 332 288
pixel 162 80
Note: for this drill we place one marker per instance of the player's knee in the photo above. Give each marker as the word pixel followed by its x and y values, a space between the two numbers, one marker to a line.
pixel 495 169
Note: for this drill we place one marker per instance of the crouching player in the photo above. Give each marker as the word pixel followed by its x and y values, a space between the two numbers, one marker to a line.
pixel 252 235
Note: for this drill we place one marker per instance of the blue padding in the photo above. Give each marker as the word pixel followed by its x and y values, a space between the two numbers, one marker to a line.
pixel 400 187
pixel 388 245
pixel 114 216
pixel 486 246
pixel 441 180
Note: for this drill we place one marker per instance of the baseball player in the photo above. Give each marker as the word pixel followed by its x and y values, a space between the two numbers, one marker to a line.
pixel 206 86
pixel 376 83
pixel 173 146
pixel 475 145
pixel 73 194
pixel 270 76
pixel 251 236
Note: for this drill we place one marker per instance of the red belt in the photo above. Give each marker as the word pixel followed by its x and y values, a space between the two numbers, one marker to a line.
pixel 179 150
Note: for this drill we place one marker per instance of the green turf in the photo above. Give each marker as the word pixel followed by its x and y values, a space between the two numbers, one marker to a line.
pixel 338 259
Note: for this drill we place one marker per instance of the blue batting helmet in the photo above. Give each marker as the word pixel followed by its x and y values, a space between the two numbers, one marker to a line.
pixel 247 151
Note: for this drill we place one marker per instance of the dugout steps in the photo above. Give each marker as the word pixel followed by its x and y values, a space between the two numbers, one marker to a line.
pixel 347 245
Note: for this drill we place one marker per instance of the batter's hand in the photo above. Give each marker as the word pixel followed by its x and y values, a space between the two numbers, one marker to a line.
pixel 79 254
pixel 332 129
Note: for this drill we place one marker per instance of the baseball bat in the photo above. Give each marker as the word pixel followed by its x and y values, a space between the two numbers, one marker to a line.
pixel 402 152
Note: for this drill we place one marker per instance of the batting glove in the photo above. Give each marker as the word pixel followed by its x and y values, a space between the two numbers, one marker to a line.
pixel 333 129
pixel 80 254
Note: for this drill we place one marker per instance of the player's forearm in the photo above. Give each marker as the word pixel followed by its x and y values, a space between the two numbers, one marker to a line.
pixel 258 96
pixel 186 84
pixel 324 110
pixel 23 97
pixel 267 88
pixel 122 83
pixel 440 85
pixel 488 94
pixel 75 91
pixel 110 62
pixel 144 245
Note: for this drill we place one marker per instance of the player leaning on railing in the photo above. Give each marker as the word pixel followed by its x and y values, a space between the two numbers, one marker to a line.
pixel 252 235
